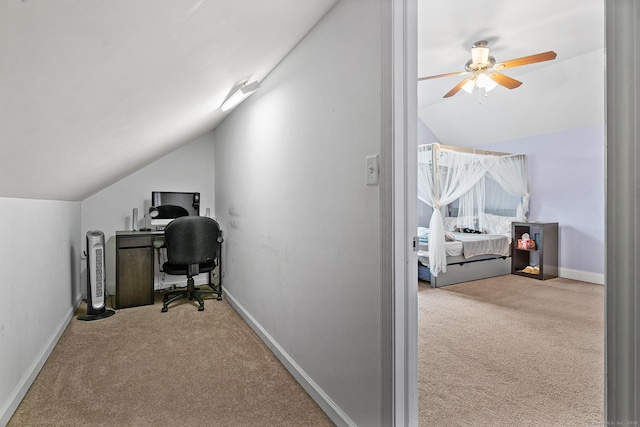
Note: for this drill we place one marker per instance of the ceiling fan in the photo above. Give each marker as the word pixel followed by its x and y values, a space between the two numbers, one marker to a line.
pixel 485 71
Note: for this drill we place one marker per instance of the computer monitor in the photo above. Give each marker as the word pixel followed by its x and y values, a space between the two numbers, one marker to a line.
pixel 172 205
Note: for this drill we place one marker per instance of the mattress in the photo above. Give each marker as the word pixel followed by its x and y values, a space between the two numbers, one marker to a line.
pixel 452 248
pixel 469 245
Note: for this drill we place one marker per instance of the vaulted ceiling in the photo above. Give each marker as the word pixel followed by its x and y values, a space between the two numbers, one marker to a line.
pixel 92 90
pixel 565 93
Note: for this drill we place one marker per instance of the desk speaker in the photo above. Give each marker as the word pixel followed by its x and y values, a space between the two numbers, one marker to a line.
pixel 96 282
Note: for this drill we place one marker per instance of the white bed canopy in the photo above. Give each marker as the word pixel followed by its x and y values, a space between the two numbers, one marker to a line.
pixel 447 174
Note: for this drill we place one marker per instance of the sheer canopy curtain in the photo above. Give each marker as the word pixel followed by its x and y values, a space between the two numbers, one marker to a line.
pixel 512 175
pixel 444 176
pixel 471 206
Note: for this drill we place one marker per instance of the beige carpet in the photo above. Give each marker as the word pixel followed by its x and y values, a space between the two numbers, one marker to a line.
pixel 511 351
pixel 141 367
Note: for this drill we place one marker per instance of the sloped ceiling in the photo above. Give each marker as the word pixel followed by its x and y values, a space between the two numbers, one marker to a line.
pixel 92 90
pixel 562 94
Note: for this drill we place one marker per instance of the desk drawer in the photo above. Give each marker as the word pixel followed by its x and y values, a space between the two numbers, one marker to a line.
pixel 135 241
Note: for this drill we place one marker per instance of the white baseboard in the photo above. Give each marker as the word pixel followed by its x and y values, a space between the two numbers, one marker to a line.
pixel 583 276
pixel 7 410
pixel 332 410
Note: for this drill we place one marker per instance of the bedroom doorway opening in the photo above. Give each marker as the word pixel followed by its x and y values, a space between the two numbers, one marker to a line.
pixel 475 328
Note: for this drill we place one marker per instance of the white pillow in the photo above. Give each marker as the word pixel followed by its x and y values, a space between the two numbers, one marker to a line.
pixel 423 233
pixel 495 224
pixel 450 223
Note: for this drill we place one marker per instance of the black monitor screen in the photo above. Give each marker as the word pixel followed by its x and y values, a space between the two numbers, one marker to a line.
pixel 172 204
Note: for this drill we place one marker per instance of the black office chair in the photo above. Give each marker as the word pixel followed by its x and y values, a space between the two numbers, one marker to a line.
pixel 193 246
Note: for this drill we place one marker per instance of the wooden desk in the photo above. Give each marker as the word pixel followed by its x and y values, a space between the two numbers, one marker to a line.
pixel 135 267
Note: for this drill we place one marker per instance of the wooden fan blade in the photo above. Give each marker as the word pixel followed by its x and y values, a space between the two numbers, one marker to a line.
pixel 457 87
pixel 459 73
pixel 525 60
pixel 505 81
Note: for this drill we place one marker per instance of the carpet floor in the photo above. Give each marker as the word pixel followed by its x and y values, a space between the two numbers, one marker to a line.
pixel 511 351
pixel 498 352
pixel 141 367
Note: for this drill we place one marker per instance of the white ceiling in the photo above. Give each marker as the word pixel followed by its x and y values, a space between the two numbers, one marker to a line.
pixel 92 90
pixel 557 95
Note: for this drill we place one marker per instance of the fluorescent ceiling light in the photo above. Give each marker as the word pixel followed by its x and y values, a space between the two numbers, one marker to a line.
pixel 239 95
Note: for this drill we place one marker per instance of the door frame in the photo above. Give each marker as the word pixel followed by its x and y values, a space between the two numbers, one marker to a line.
pixel 399 213
pixel 622 291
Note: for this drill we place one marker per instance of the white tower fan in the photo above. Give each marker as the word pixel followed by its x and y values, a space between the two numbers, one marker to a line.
pixel 96 282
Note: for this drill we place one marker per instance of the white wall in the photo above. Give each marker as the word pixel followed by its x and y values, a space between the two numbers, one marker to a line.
pixel 189 168
pixel 40 271
pixel 302 230
pixel 566 184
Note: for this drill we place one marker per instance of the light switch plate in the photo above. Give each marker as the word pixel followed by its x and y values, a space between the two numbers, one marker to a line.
pixel 372 170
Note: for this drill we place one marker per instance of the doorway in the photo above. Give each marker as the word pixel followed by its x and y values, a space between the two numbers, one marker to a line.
pixel 451 112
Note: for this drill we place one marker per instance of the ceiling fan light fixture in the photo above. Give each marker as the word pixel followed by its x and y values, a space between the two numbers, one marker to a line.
pixel 485 82
pixel 469 85
pixel 484 70
pixel 480 55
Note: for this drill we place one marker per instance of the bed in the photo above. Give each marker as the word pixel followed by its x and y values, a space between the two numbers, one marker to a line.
pixel 468 236
pixel 470 256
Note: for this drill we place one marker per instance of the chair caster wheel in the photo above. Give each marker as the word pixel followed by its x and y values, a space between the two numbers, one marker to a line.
pixel 164 310
pixel 201 308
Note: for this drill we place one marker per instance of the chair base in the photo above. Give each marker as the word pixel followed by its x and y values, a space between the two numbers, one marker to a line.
pixel 191 293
